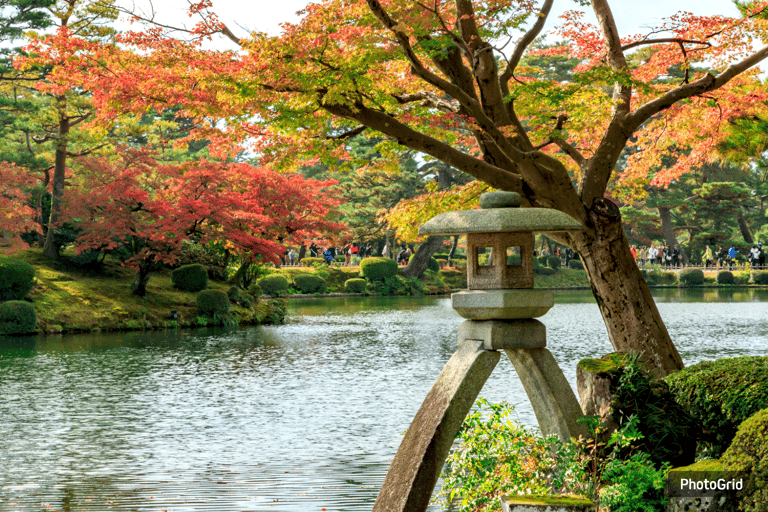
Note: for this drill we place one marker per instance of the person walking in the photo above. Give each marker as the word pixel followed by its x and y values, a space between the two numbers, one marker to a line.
pixel 708 257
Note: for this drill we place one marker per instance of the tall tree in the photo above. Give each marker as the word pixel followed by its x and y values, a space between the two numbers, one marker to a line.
pixel 414 72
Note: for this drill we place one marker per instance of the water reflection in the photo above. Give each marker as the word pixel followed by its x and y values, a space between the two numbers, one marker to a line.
pixel 296 417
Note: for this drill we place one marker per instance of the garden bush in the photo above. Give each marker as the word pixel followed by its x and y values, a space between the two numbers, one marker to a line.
pixel 210 256
pixel 378 269
pixel 17 317
pixel 542 260
pixel 274 285
pixel 576 265
pixel 255 290
pixel 691 277
pixel 432 265
pixel 237 296
pixel 16 278
pixel 721 394
pixel 725 277
pixel 212 302
pixel 554 261
pixel 760 277
pixel 311 262
pixel 741 277
pixel 355 285
pixel 309 283
pixel 749 453
pixel 544 271
pixel 190 278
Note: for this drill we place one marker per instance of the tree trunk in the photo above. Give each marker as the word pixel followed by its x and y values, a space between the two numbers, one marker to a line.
pixel 139 286
pixel 420 261
pixel 51 249
pixel 630 315
pixel 239 277
pixel 454 245
pixel 669 234
pixel 743 227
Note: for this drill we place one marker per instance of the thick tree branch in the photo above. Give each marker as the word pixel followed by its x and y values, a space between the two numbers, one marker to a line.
pixel 523 44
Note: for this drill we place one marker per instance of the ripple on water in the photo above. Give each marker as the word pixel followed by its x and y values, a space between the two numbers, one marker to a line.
pixel 302 416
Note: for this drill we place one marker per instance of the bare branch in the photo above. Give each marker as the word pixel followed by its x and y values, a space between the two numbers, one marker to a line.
pixel 523 43
pixel 348 134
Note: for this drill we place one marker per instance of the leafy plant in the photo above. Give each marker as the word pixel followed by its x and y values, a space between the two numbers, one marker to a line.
pixel 635 485
pixel 496 456
pixel 16 278
pixel 749 453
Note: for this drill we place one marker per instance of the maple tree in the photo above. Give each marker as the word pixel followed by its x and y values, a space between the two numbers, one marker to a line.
pixel 434 78
pixel 144 210
pixel 17 215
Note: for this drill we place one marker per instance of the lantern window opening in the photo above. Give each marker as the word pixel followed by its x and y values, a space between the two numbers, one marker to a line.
pixel 484 257
pixel 514 258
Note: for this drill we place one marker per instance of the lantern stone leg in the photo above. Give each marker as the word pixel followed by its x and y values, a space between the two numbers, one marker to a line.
pixel 417 465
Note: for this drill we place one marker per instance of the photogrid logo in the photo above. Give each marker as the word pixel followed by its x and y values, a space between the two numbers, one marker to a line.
pixel 695 484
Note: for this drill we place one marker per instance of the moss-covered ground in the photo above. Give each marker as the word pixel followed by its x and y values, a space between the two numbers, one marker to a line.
pixel 68 298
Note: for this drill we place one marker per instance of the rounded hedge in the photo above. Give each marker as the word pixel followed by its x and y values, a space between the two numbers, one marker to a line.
pixel 311 262
pixel 309 283
pixel 190 278
pixel 16 278
pixel 274 284
pixel 212 302
pixel 725 277
pixel 378 269
pixel 17 317
pixel 542 260
pixel 576 264
pixel 760 277
pixel 721 394
pixel 691 277
pixel 749 453
pixel 355 285
pixel 544 271
pixel 255 290
pixel 554 261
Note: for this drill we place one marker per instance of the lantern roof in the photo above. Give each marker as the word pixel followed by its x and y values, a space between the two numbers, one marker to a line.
pixel 500 214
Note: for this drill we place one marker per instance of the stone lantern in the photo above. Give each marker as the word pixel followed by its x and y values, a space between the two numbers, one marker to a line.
pixel 500 307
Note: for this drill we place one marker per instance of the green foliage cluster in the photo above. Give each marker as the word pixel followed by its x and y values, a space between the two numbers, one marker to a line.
pixel 212 302
pixel 635 485
pixel 236 295
pixel 691 277
pixel 395 285
pixel 309 283
pixel 725 277
pixel 659 277
pixel 190 278
pixel 721 394
pixel 749 453
pixel 554 261
pixel 210 256
pixel 668 432
pixel 544 271
pixel 354 285
pixel 16 278
pixel 576 265
pixel 378 269
pixel 496 456
pixel 274 285
pixel 312 262
pixel 17 317
pixel 760 277
pixel 255 291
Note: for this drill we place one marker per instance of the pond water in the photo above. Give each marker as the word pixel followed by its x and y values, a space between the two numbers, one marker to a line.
pixel 304 416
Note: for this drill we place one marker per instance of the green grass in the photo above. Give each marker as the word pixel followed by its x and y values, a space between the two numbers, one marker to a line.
pixel 72 299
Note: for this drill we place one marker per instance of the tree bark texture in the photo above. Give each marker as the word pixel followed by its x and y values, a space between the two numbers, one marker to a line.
pixel 420 260
pixel 625 302
pixel 140 281
pixel 51 249
pixel 743 227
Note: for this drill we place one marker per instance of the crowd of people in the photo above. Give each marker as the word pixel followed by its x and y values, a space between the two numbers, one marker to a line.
pixel 719 257
pixel 352 253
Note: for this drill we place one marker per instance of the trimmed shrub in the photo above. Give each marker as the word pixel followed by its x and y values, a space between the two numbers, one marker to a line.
pixel 542 260
pixel 17 317
pixel 309 283
pixel 378 269
pixel 433 265
pixel 212 302
pixel 576 265
pixel 760 277
pixel 274 285
pixel 190 278
pixel 544 271
pixel 554 261
pixel 749 453
pixel 725 277
pixel 312 262
pixel 255 290
pixel 741 277
pixel 691 277
pixel 721 394
pixel 16 278
pixel 355 285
